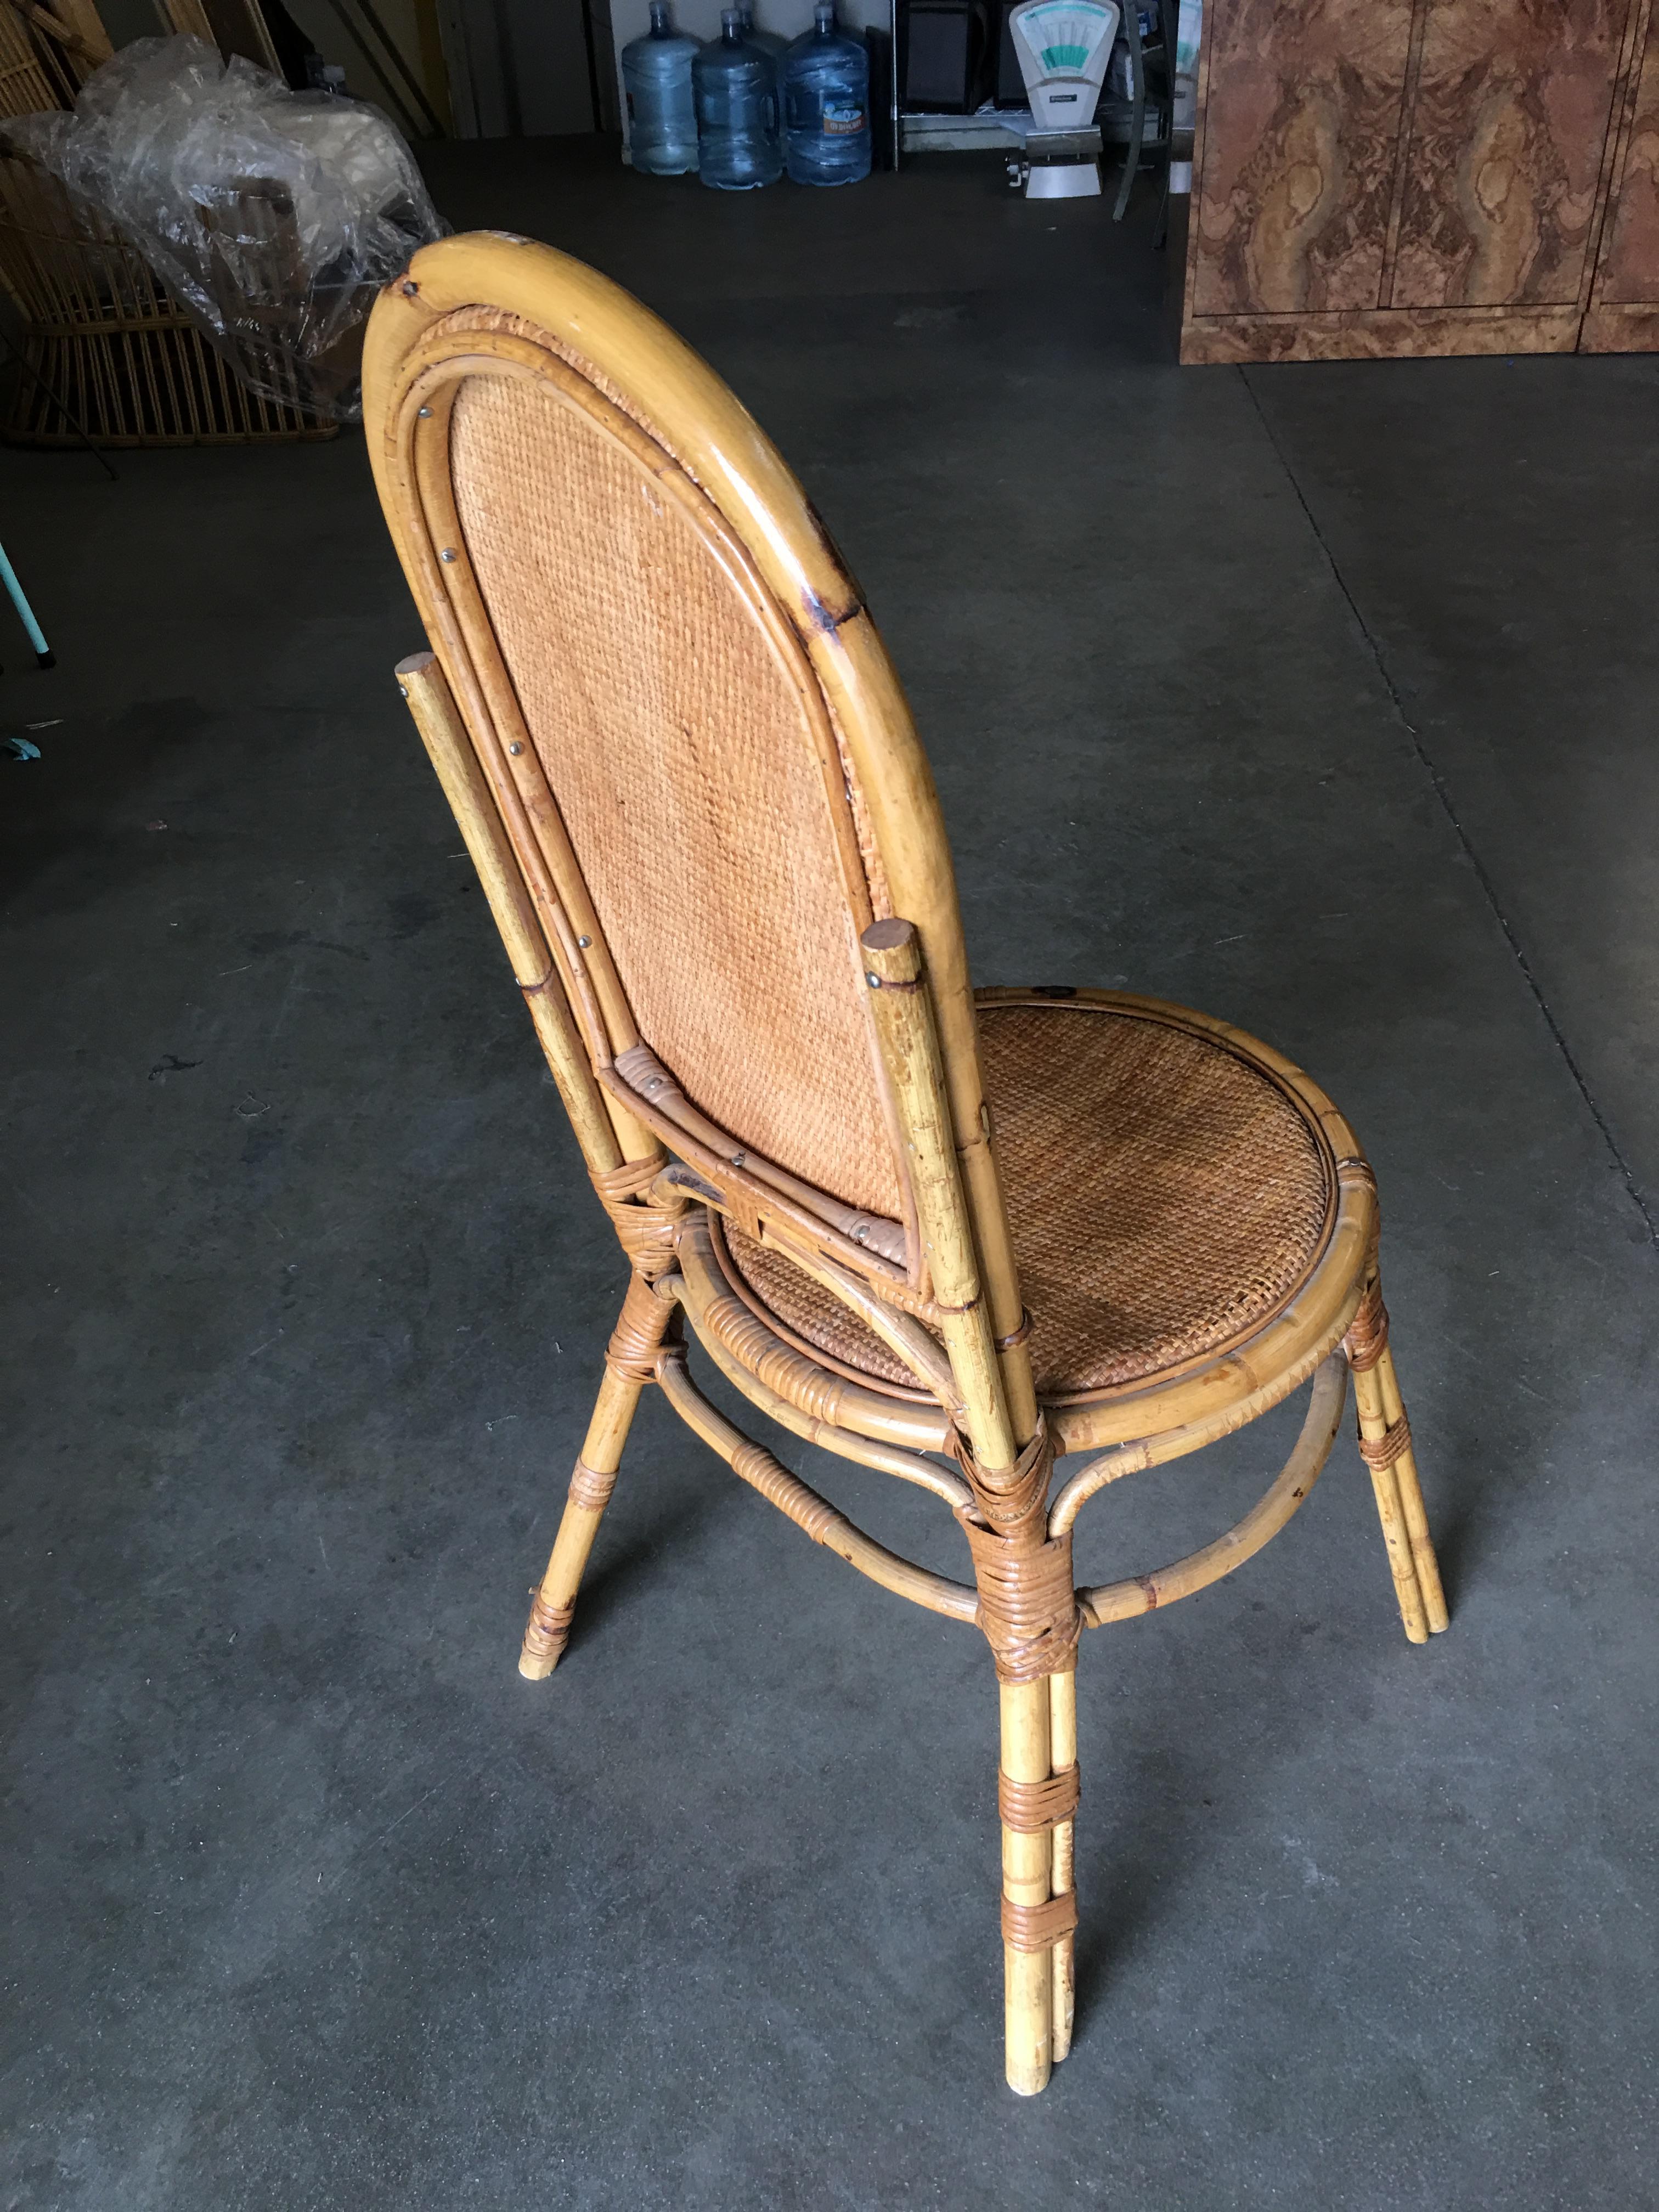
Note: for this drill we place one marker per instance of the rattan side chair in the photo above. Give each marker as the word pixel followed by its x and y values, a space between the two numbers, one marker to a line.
pixel 948 1235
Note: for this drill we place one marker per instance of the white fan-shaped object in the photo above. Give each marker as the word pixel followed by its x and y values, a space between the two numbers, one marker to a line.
pixel 1064 46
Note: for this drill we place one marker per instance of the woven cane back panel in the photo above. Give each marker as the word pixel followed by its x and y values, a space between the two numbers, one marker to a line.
pixel 673 735
pixel 1166 1197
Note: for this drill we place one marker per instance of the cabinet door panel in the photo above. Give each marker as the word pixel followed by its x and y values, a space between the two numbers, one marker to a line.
pixel 1629 270
pixel 1513 99
pixel 1302 119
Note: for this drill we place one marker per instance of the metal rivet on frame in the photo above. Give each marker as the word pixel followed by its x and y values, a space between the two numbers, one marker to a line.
pixel 515 748
pixel 425 414
pixel 584 942
pixel 447 554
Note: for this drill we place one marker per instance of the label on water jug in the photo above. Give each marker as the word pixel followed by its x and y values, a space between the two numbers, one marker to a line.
pixel 841 120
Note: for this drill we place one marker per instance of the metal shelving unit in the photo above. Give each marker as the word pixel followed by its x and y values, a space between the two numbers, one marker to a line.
pixel 995 129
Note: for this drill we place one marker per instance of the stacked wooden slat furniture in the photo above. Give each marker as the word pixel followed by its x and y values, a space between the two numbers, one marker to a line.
pixel 106 349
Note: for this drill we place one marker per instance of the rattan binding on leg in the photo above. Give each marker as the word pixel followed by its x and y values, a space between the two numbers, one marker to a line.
pixel 1368 1331
pixel 1039 1927
pixel 547 1631
pixel 1028 1604
pixel 647 1233
pixel 1031 1806
pixel 637 1337
pixel 1389 1448
pixel 591 1486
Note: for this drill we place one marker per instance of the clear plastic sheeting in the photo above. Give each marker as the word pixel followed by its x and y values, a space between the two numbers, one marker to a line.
pixel 274 216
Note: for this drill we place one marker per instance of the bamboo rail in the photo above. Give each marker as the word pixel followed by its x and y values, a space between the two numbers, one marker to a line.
pixel 803 1504
pixel 712 1313
pixel 910 1052
pixel 1122 1600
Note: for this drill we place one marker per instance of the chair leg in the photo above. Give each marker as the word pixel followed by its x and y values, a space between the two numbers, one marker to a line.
pixel 1385 1445
pixel 1062 1734
pixel 639 1330
pixel 1027 1867
pixel 1411 1499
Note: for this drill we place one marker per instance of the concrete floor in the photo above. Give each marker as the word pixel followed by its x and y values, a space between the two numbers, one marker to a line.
pixel 1318 697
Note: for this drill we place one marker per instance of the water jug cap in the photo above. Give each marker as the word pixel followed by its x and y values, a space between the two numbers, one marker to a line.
pixel 730 22
pixel 824 14
pixel 659 15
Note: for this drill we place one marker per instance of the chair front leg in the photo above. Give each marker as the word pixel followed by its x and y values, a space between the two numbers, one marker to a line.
pixel 629 1360
pixel 1027 1876
pixel 1385 1445
pixel 1028 1613
pixel 1411 1494
pixel 1037 1791
pixel 1062 1751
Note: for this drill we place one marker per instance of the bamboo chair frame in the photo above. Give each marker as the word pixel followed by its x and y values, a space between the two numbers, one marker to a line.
pixel 939 1288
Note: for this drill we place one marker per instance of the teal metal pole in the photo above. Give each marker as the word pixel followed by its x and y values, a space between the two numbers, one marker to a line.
pixel 43 652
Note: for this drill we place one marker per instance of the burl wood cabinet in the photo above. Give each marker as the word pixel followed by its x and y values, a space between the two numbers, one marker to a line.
pixel 1376 177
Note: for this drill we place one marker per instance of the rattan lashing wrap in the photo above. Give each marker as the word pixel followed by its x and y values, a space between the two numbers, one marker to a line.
pixel 1039 1927
pixel 674 739
pixel 1038 1806
pixel 1386 1451
pixel 646 1233
pixel 637 1338
pixel 1367 1339
pixel 1165 1196
pixel 547 1629
pixel 1032 1807
pixel 1027 1600
pixel 591 1486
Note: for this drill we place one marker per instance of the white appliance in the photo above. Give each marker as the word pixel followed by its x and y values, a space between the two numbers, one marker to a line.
pixel 1064 46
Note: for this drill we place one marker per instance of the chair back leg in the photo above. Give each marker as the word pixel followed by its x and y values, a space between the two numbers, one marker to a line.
pixel 639 1332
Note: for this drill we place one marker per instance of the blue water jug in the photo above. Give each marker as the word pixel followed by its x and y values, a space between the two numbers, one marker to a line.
pixel 735 84
pixel 826 105
pixel 662 115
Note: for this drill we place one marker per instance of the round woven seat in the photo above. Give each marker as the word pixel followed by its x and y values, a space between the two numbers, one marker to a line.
pixel 1169 1194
